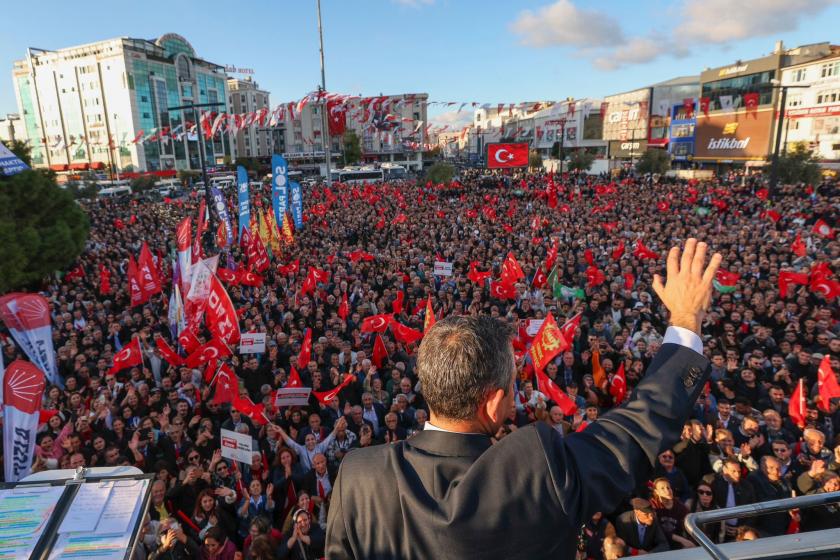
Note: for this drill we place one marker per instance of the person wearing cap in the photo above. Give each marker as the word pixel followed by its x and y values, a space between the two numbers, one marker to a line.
pixel 639 528
pixel 449 479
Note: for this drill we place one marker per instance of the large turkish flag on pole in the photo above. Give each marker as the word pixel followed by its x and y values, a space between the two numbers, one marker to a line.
pixel 503 156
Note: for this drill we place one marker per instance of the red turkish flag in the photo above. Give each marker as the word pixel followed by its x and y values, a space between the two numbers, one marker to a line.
pixel 823 229
pixel 555 393
pixel 294 379
pixel 397 304
pixel 325 397
pixel 220 314
pixel 337 117
pixel 663 206
pixel 511 271
pixel 751 102
pixel 379 352
pixel 500 290
pixel 643 252
pixel 476 275
pixel 291 268
pixel 188 341
pixel 618 252
pixel 227 386
pixel 762 194
pixel 305 354
pixel 344 307
pixel 227 276
pixel 104 280
pixel 168 353
pixel 376 323
pixel 404 334
pixel 787 277
pixel 569 327
pixel 213 350
pixel 797 406
pixel 539 279
pixel 827 383
pixel 618 385
pixel 629 280
pixel 704 105
pixel 827 287
pixel 594 277
pixel 773 215
pixel 247 278
pixel 134 285
pixel 129 356
pixel 589 257
pixel 507 155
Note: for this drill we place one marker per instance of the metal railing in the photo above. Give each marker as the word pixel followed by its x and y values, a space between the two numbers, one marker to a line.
pixel 694 521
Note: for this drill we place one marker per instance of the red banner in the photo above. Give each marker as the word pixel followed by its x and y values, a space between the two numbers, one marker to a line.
pixel 220 314
pixel 504 156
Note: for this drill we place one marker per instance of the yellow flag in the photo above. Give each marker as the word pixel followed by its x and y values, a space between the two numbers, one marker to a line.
pixel 288 235
pixel 273 233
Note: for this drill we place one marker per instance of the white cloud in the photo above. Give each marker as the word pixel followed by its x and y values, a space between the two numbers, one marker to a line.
pixel 724 21
pixel 599 37
pixel 563 24
pixel 454 119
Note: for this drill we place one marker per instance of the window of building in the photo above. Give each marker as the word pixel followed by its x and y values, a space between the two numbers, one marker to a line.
pixel 735 88
pixel 794 101
pixel 798 75
pixel 830 96
pixel 830 69
pixel 144 99
pixel 146 116
pixel 835 147
pixel 242 99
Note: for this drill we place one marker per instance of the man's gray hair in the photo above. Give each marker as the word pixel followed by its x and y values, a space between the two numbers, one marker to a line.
pixel 461 360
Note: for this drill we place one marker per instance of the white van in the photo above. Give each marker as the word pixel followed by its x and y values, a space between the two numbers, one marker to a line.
pixel 115 192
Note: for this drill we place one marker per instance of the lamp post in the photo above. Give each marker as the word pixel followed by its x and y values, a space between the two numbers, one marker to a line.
pixel 774 162
pixel 325 123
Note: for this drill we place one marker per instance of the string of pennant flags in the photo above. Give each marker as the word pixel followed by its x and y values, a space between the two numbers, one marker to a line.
pixel 380 116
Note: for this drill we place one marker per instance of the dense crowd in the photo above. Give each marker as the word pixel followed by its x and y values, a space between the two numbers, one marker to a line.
pixel 378 244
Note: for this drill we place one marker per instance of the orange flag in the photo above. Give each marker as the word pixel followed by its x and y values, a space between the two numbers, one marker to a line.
pixel 598 373
pixel 548 342
pixel 429 320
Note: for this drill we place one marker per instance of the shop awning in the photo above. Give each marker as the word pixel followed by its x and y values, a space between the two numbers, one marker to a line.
pixel 79 166
pixel 58 167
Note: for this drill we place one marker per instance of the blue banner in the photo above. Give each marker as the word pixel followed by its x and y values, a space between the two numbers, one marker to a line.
pixel 10 164
pixel 297 204
pixel 279 188
pixel 244 200
pixel 222 211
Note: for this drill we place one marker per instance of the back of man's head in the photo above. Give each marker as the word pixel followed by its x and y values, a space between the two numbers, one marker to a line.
pixel 461 360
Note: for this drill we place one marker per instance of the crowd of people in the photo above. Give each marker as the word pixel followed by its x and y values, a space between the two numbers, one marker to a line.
pixel 378 244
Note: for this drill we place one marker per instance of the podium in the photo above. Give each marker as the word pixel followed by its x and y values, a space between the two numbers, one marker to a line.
pixel 66 514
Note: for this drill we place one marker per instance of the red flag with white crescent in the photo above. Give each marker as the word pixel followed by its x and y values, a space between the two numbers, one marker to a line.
pixel 325 397
pixel 827 383
pixel 168 353
pixel 797 407
pixel 379 352
pixel 376 323
pixel 305 354
pixel 129 356
pixel 213 350
pixel 618 385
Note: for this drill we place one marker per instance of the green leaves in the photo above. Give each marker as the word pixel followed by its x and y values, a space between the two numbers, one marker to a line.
pixel 42 229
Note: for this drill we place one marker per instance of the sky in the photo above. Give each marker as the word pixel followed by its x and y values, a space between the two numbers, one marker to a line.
pixel 485 51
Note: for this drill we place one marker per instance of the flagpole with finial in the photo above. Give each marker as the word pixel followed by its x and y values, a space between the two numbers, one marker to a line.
pixel 324 117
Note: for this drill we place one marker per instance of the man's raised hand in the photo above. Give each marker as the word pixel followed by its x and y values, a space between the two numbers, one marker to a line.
pixel 687 290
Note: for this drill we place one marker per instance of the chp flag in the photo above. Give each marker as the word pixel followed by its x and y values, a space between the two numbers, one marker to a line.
pixel 507 155
pixel 27 316
pixel 23 388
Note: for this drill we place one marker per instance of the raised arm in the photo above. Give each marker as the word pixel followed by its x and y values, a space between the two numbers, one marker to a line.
pixel 615 454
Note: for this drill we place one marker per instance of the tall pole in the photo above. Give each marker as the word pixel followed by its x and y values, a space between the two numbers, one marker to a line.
pixel 774 165
pixel 325 126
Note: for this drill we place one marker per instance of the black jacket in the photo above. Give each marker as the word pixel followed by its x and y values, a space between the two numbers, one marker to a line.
pixel 451 495
pixel 654 541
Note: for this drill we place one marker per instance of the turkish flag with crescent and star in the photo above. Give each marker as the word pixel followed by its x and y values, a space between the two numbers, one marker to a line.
pixel 213 350
pixel 337 117
pixel 506 155
pixel 129 356
pixel 227 386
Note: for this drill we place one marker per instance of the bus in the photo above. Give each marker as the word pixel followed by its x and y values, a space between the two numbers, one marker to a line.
pixel 393 171
pixel 355 176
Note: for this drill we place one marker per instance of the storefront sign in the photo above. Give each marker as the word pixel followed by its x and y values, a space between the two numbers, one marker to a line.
pixel 628 148
pixel 734 136
pixel 824 111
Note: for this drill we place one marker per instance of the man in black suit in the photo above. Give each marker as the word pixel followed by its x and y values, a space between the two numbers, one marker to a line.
pixel 448 492
pixel 640 529
pixel 730 489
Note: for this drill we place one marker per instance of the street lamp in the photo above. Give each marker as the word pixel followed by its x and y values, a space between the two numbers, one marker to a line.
pixel 774 164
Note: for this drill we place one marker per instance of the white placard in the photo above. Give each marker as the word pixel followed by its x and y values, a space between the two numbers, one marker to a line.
pixel 252 343
pixel 297 396
pixel 121 507
pixel 443 268
pixel 533 326
pixel 236 446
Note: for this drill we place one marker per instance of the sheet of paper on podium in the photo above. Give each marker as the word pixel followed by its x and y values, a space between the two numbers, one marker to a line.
pixel 24 513
pixel 86 508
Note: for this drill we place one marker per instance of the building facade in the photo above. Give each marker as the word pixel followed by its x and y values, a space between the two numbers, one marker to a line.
pixel 11 129
pixel 664 96
pixel 626 118
pixel 812 113
pixel 245 96
pixel 107 104
pixel 682 126
pixel 739 126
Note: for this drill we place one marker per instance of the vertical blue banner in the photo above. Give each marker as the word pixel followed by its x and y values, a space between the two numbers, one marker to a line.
pixel 279 188
pixel 297 204
pixel 244 200
pixel 222 211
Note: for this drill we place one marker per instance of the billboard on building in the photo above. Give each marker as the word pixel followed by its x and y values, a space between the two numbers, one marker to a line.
pixel 734 135
pixel 623 149
pixel 626 115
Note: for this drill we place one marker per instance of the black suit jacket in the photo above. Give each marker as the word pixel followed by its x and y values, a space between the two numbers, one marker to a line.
pixel 448 495
pixel 654 541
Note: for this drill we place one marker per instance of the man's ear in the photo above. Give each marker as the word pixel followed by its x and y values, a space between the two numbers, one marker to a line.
pixel 492 407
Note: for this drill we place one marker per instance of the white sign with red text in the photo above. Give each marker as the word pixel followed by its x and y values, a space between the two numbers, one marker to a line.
pixel 252 343
pixel 292 396
pixel 236 446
